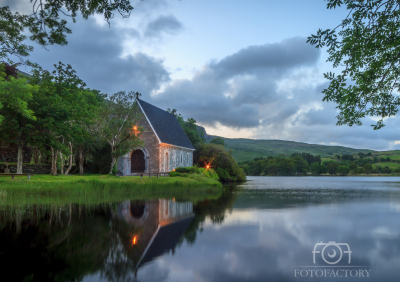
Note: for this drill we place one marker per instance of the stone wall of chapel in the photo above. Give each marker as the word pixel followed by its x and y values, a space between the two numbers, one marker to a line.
pixel 152 146
pixel 177 157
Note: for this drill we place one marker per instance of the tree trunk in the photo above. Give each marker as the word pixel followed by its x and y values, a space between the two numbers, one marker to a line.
pixel 81 160
pixel 70 159
pixel 53 170
pixel 113 162
pixel 36 154
pixel 62 163
pixel 20 159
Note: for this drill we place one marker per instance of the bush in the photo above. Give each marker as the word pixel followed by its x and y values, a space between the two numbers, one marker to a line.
pixel 219 159
pixel 191 169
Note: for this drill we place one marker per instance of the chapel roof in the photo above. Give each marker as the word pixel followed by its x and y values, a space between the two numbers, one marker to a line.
pixel 165 125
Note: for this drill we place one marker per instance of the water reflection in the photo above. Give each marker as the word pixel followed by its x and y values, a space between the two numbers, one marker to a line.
pixel 259 231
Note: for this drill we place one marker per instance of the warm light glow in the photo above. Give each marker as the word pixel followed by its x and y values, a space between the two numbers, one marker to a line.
pixel 207 166
pixel 134 128
pixel 134 240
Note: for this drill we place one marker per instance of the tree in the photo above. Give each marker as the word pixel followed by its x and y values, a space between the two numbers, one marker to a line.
pixel 367 168
pixel 218 141
pixel 15 113
pixel 220 160
pixel 64 109
pixel 300 165
pixel 353 167
pixel 189 127
pixel 343 170
pixel 366 43
pixel 317 169
pixel 117 122
pixel 332 168
pixel 45 24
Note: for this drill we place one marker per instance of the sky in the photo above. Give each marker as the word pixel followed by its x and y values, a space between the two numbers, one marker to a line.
pixel 241 69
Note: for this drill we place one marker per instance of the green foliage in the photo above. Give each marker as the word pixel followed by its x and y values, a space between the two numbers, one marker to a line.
pixel 208 176
pixel 353 167
pixel 11 37
pixel 189 127
pixel 218 158
pixel 317 169
pixel 368 168
pixel 218 141
pixel 45 25
pixel 15 94
pixel 343 170
pixel 300 165
pixel 310 158
pixel 347 157
pixel 386 170
pixel 366 43
pixel 332 168
pixel 191 169
pixel 295 165
pixel 115 122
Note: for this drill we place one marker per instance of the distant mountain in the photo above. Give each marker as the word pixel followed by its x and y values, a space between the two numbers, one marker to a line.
pixel 248 149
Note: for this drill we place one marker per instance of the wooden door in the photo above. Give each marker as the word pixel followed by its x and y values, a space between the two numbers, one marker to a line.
pixel 137 161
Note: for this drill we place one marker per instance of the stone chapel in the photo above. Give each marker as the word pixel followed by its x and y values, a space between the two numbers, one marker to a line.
pixel 166 145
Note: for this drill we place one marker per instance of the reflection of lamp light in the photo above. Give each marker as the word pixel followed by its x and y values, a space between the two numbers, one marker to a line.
pixel 134 240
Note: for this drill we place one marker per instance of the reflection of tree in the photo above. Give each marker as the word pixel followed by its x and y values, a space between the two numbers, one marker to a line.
pixel 214 209
pixel 70 241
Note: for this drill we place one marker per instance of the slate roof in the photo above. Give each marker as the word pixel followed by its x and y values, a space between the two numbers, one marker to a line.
pixel 166 239
pixel 166 126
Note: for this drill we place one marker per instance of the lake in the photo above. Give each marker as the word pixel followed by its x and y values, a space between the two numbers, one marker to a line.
pixel 267 229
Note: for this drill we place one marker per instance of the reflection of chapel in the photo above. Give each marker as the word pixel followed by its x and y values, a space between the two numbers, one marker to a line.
pixel 166 145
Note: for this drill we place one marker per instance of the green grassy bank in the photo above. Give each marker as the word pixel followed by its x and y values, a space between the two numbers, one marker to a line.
pixel 93 189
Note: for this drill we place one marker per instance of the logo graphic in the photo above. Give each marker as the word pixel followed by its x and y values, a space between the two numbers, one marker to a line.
pixel 332 252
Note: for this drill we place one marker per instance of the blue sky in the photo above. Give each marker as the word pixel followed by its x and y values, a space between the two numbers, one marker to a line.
pixel 242 69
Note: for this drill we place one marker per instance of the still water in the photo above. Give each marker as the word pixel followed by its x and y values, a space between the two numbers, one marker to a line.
pixel 263 230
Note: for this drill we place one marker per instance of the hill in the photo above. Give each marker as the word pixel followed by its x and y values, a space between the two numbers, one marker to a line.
pixel 248 149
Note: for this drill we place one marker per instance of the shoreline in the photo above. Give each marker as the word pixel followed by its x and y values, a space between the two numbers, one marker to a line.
pixel 93 189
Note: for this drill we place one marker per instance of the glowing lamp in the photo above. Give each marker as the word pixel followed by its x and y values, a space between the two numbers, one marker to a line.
pixel 134 128
pixel 207 167
pixel 134 240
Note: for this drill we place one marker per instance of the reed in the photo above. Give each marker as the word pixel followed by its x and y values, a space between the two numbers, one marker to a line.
pixel 95 189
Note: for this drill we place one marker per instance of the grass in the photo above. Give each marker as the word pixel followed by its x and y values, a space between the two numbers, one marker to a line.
pixel 392 166
pixel 94 189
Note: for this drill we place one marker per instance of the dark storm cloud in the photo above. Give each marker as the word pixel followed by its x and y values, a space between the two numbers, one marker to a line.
pixel 275 57
pixel 233 91
pixel 163 24
pixel 95 52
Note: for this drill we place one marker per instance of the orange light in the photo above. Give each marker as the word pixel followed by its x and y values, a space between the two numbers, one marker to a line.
pixel 134 128
pixel 134 240
pixel 207 166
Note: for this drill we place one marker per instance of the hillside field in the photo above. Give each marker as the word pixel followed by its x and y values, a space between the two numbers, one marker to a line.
pixel 248 149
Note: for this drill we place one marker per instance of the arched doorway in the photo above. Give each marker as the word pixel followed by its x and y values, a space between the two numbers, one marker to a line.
pixel 137 161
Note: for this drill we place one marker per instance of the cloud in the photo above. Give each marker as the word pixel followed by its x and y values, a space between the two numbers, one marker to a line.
pixel 95 52
pixel 163 24
pixel 233 91
pixel 21 6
